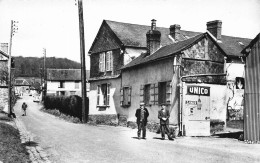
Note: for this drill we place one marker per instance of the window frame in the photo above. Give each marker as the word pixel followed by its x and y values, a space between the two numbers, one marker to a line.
pixel 103 97
pixel 125 91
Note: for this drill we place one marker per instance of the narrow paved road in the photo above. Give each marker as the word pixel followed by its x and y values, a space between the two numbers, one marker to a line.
pixel 66 142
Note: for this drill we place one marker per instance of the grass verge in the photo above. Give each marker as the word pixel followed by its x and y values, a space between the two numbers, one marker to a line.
pixel 11 148
pixel 57 113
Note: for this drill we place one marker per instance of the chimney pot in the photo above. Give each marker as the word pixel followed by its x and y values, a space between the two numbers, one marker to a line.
pixel 153 25
pixel 215 27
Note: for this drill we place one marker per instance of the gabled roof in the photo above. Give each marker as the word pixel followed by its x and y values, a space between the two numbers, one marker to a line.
pixel 135 35
pixel 65 74
pixel 21 82
pixel 251 44
pixel 165 51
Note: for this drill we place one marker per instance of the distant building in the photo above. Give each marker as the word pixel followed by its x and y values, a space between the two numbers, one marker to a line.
pixel 183 69
pixel 4 80
pixel 64 82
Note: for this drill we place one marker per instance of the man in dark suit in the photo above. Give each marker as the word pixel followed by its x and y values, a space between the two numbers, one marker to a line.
pixel 164 116
pixel 141 115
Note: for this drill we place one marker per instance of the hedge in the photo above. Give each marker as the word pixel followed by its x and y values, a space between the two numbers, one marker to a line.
pixel 71 105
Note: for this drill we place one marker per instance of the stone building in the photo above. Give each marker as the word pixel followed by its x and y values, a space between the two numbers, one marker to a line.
pixel 135 63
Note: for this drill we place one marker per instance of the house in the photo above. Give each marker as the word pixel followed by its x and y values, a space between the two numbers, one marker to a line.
pixel 135 63
pixel 252 91
pixel 64 82
pixel 22 86
pixel 4 80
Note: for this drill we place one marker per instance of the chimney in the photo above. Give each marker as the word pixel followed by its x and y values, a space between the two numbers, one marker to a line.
pixel 214 27
pixel 153 38
pixel 4 48
pixel 175 31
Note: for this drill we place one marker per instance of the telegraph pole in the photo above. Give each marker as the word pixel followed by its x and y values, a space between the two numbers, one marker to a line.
pixel 14 29
pixel 83 66
pixel 44 74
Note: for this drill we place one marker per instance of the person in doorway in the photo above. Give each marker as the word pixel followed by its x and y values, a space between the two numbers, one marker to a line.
pixel 24 107
pixel 164 116
pixel 141 115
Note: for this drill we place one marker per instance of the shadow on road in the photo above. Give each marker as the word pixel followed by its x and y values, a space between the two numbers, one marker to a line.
pixel 235 135
pixel 30 144
pixel 157 138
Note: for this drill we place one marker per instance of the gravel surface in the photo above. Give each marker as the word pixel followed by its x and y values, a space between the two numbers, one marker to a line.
pixel 65 142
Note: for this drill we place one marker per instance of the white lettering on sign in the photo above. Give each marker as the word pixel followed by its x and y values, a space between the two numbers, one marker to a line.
pixel 198 90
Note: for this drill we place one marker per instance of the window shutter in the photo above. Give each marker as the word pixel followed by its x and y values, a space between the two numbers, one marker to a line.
pixel 98 95
pixel 111 61
pixel 104 62
pixel 121 96
pixel 129 96
pixel 156 93
pixel 108 94
pixel 151 94
pixel 108 61
pixel 168 92
pixel 141 93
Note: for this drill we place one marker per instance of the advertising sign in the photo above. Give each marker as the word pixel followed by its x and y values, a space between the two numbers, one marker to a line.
pixel 198 90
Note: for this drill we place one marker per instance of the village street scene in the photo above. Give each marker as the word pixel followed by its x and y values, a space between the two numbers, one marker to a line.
pixel 129 81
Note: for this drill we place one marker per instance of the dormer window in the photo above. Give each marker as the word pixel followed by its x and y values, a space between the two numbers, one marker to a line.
pixel 106 61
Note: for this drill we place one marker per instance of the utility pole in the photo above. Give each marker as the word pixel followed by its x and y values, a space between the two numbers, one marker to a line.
pixel 14 29
pixel 44 74
pixel 83 65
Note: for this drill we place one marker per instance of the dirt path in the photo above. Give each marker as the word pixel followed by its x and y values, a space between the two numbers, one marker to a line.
pixel 68 142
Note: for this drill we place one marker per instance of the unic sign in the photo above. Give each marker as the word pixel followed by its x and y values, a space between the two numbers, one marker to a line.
pixel 198 90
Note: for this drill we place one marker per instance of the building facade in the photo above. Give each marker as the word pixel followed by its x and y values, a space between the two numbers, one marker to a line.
pixel 64 82
pixel 149 64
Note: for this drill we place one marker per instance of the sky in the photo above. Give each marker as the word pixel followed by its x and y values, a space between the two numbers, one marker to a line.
pixel 54 25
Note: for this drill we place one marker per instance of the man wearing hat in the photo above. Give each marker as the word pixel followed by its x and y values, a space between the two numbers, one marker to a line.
pixel 164 116
pixel 141 115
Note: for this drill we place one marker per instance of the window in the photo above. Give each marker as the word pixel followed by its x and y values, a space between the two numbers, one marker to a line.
pixel 162 92
pixel 76 84
pixel 103 94
pixel 106 61
pixel 72 93
pixel 145 93
pixel 157 93
pixel 62 84
pixel 125 96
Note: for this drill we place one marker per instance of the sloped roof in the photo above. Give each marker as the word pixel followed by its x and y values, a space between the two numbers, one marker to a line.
pixel 250 44
pixel 4 54
pixel 233 45
pixel 21 82
pixel 65 74
pixel 135 35
pixel 165 51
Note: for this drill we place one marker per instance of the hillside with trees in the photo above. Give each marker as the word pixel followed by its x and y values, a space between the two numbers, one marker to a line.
pixel 33 66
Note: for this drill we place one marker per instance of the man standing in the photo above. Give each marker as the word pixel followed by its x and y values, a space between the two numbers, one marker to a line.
pixel 164 116
pixel 24 107
pixel 141 115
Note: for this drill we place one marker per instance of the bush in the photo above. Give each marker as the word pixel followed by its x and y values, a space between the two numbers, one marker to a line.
pixel 71 105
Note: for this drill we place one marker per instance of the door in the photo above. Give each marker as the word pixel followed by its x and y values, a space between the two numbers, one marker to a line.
pixel 196 110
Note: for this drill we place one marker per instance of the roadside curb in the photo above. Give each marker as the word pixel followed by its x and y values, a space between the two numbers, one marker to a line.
pixel 36 153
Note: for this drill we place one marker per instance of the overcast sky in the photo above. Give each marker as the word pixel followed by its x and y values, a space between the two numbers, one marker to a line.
pixel 53 24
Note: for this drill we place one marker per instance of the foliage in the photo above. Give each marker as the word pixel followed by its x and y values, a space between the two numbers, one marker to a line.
pixel 11 149
pixel 71 105
pixel 33 66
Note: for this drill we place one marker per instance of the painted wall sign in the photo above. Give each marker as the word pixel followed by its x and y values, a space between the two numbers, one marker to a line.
pixel 198 90
pixel 191 102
